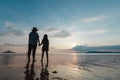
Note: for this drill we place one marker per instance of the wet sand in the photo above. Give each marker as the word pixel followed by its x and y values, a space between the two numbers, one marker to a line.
pixel 60 67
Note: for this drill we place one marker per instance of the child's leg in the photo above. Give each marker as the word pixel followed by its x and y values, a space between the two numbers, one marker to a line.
pixel 47 55
pixel 42 55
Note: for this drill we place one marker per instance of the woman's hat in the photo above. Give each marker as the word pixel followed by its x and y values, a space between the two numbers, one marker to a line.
pixel 34 29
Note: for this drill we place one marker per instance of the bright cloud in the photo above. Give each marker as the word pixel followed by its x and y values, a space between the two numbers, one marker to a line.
pixel 99 31
pixel 94 19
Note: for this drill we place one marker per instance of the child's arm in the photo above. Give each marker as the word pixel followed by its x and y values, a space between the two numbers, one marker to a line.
pixel 41 43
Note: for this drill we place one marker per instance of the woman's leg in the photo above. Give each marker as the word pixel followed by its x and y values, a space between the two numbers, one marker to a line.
pixel 34 52
pixel 29 52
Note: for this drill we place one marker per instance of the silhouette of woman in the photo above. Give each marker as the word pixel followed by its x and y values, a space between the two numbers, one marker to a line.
pixel 32 44
pixel 45 47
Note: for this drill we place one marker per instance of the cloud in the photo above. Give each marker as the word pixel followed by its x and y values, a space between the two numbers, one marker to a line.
pixel 11 30
pixel 99 31
pixel 94 19
pixel 94 32
pixel 55 32
pixel 61 34
pixel 9 24
pixel 81 48
pixel 10 44
pixel 50 29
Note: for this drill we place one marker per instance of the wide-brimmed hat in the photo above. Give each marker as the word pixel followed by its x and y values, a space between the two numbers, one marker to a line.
pixel 34 29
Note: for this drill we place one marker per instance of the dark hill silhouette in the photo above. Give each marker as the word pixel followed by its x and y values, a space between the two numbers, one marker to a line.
pixel 101 52
pixel 112 48
pixel 9 51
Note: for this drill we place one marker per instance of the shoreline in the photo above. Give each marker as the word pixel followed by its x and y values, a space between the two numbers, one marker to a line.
pixel 63 53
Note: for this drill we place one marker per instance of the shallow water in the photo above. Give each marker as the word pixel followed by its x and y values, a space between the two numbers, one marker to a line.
pixel 66 67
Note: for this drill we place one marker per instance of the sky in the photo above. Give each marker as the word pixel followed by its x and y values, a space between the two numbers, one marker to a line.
pixel 67 22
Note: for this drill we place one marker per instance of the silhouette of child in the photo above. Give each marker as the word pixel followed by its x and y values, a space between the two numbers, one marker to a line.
pixel 45 47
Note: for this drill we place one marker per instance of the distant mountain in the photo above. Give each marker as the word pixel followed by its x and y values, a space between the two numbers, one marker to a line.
pixel 113 48
pixel 8 51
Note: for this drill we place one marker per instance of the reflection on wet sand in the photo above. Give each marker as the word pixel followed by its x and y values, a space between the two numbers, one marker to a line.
pixel 6 59
pixel 29 73
pixel 44 75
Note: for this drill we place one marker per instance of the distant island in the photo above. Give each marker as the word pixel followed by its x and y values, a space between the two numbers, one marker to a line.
pixel 101 52
pixel 9 51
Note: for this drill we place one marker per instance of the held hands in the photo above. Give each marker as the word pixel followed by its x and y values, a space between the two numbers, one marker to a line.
pixel 39 44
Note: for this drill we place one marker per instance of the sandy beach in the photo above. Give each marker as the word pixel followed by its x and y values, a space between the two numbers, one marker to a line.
pixel 60 67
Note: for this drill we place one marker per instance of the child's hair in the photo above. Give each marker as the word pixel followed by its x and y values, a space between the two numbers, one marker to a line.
pixel 45 37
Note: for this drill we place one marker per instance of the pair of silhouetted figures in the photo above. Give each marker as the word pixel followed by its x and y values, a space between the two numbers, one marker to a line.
pixel 32 45
pixel 30 73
